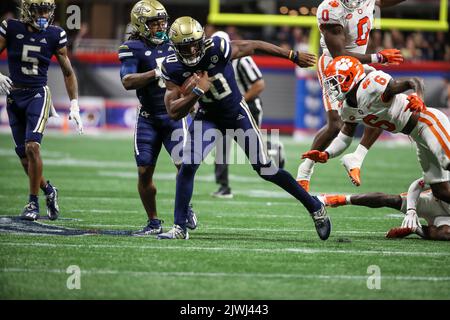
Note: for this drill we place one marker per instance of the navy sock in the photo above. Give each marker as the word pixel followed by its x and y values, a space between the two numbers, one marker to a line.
pixel 34 199
pixel 183 195
pixel 47 189
pixel 285 181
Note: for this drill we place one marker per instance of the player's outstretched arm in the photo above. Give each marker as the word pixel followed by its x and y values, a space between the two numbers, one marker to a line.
pixel 243 48
pixel 388 3
pixel 71 83
pixel 180 101
pixel 334 36
pixel 337 147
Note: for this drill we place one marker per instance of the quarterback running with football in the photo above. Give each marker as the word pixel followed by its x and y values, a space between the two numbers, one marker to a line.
pixel 141 57
pixel 31 42
pixel 201 71
pixel 379 101
pixel 419 199
pixel 345 27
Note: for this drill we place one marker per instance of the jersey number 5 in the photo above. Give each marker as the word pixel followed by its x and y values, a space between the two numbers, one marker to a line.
pixel 363 31
pixel 33 71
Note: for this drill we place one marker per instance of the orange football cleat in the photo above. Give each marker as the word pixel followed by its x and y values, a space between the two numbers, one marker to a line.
pixel 304 184
pixel 355 175
pixel 396 233
pixel 334 200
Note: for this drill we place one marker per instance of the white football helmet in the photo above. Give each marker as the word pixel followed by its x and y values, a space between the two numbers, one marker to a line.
pixel 352 4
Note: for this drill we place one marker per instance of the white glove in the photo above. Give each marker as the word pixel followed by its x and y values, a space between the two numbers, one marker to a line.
pixel 157 73
pixel 412 221
pixel 5 84
pixel 75 115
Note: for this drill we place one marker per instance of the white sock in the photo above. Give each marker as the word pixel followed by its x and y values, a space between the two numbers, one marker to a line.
pixel 305 169
pixel 360 152
pixel 347 199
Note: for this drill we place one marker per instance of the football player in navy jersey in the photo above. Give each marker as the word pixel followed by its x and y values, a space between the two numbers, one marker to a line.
pixel 200 71
pixel 141 57
pixel 31 42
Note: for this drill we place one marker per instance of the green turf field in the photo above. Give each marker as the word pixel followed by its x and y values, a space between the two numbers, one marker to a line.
pixel 259 245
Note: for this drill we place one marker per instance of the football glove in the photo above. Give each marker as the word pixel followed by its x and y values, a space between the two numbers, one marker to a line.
pixel 316 155
pixel 390 56
pixel 5 85
pixel 415 104
pixel 75 115
pixel 411 220
pixel 157 73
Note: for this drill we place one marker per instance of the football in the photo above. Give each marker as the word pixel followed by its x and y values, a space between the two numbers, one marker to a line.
pixel 188 85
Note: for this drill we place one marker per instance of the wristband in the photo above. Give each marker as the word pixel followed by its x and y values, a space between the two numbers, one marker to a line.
pixel 197 91
pixel 376 58
pixel 293 56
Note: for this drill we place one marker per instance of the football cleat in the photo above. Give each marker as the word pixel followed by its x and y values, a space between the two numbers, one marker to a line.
pixel 175 233
pixel 304 184
pixel 52 204
pixel 322 222
pixel 191 221
pixel 153 227
pixel 398 233
pixel 334 200
pixel 30 212
pixel 352 166
pixel 223 193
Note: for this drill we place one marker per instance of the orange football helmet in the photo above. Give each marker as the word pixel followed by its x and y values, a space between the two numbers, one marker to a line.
pixel 341 75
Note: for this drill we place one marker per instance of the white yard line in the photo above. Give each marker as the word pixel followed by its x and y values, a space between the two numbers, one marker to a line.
pixel 226 274
pixel 229 249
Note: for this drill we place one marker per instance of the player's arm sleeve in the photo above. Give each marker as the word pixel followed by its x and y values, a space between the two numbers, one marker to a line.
pixel 378 85
pixel 4 29
pixel 169 75
pixel 62 39
pixel 224 48
pixel 129 61
pixel 249 68
pixel 413 194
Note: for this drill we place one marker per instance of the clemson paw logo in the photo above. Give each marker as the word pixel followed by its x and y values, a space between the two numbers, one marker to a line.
pixel 344 64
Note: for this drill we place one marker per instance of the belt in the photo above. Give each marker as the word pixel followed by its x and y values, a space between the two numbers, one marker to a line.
pixel 411 124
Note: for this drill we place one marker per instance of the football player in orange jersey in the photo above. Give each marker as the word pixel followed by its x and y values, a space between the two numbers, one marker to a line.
pixel 417 202
pixel 345 27
pixel 378 101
